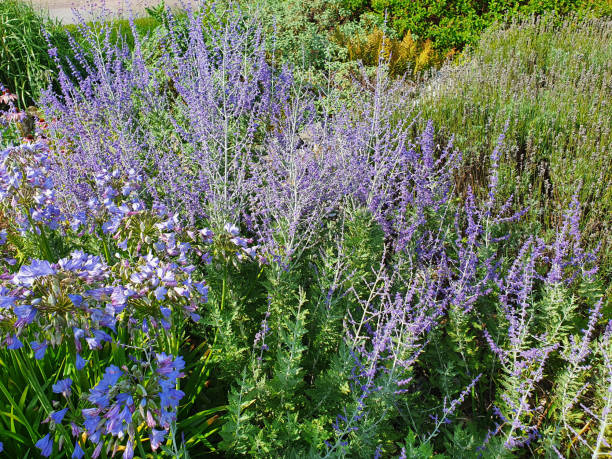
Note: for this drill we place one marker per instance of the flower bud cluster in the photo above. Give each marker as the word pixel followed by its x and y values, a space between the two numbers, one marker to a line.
pixel 152 288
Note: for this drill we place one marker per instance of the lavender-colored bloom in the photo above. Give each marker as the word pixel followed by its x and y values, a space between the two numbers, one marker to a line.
pixel 118 412
pixel 231 229
pixel 29 273
pixel 13 343
pixel 91 419
pixel 99 394
pixel 150 420
pixel 26 184
pixel 157 438
pixel 119 297
pixel 169 366
pixel 98 338
pixel 6 301
pixel 128 453
pixel 160 293
pixel 97 451
pixel 77 300
pixel 25 315
pixel 99 294
pixel 80 362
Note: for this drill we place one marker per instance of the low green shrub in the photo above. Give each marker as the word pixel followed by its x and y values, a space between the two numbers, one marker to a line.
pixel 453 24
pixel 547 87
pixel 121 28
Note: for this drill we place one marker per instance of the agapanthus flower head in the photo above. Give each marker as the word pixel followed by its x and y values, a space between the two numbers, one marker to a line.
pixel 27 193
pixel 53 299
pixel 152 289
pixel 121 405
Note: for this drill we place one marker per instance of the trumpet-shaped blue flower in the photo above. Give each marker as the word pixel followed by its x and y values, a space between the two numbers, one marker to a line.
pixel 45 445
pixel 63 387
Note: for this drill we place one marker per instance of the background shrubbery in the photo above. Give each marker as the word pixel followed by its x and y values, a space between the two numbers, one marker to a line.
pixel 453 24
pixel 545 85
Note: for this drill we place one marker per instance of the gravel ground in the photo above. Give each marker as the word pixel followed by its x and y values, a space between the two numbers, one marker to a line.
pixel 62 9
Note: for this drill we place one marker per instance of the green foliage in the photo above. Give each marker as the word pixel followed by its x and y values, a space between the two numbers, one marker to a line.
pixel 119 29
pixel 402 55
pixel 291 390
pixel 454 24
pixel 25 65
pixel 301 28
pixel 413 448
pixel 24 401
pixel 544 86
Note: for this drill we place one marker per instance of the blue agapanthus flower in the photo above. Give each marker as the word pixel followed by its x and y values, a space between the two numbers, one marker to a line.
pixel 39 349
pixel 58 416
pixel 63 387
pixel 29 273
pixel 45 445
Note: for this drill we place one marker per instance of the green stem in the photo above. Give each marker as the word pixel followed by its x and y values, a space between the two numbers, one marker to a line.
pixel 43 241
pixel 26 365
pixel 140 448
pixel 223 289
pixel 46 247
pixel 106 250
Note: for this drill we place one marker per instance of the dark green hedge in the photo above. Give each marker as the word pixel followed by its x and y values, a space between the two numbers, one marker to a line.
pixel 455 23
